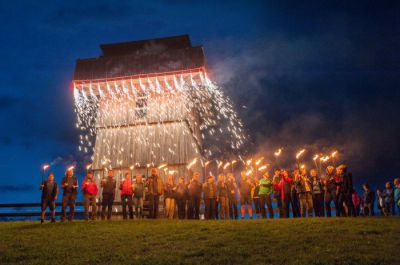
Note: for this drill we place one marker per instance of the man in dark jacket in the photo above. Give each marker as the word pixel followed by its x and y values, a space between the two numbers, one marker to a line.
pixel 109 185
pixel 70 186
pixel 347 189
pixel 329 184
pixel 155 187
pixel 181 193
pixel 232 196
pixel 194 192
pixel 49 195
pixel 368 200
pixel 210 196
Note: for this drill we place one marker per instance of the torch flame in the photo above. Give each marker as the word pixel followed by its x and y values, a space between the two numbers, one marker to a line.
pixel 300 153
pixel 192 163
pixel 278 152
pixel 259 161
pixel 248 172
pixel 248 162
pixel 315 157
pixel 233 162
pixel 162 166
pixel 206 163
pixel 70 168
pixel 219 164
pixel 132 167
pixel 334 153
pixel 262 167
pixel 46 166
pixel 88 166
pixel 227 165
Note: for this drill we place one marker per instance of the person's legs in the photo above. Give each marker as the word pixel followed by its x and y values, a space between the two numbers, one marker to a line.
pixel 156 203
pixel 279 204
pixel 86 206
pixel 63 208
pixel 72 200
pixel 213 210
pixel 302 205
pixel 263 199
pixel 110 203
pixel 124 204
pixel 191 207
pixel 207 204
pixel 309 204
pixel 94 206
pixel 250 209
pixel 130 206
pixel 43 212
pixel 327 201
pixel 286 206
pixel 103 206
pixel 52 206
pixel 268 201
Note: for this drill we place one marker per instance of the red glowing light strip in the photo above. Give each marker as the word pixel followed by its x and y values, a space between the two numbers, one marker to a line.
pixel 194 70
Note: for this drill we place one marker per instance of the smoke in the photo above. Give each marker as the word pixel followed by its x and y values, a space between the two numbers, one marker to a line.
pixel 300 94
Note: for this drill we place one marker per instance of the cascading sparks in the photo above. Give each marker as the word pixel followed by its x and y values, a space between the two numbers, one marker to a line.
pixel 189 101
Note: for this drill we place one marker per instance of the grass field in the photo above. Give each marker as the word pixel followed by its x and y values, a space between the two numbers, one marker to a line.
pixel 292 241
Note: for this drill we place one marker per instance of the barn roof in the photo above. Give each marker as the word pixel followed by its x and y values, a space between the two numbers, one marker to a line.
pixel 141 57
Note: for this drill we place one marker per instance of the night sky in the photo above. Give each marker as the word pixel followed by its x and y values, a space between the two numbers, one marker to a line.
pixel 316 75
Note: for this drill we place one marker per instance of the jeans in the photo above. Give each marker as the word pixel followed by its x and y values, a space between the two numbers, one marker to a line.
pixel 318 204
pixel 287 202
pixel 330 195
pixel 194 207
pixel 68 199
pixel 90 200
pixel 153 205
pixel 279 204
pixel 209 204
pixel 107 202
pixel 233 208
pixel 295 204
pixel 138 201
pixel 126 201
pixel 306 204
pixel 266 199
pixel 181 203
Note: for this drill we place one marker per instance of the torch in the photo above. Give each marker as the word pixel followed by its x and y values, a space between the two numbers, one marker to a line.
pixel 298 155
pixel 88 166
pixel 333 155
pixel 131 168
pixel 44 168
pixel 233 162
pixel 315 162
pixel 256 165
pixel 219 164
pixel 277 155
pixel 226 166
pixel 205 169
pixel 147 171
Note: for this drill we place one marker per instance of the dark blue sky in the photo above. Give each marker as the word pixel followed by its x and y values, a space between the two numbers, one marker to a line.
pixel 316 75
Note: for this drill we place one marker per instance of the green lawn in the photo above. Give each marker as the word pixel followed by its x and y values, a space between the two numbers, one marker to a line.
pixel 292 241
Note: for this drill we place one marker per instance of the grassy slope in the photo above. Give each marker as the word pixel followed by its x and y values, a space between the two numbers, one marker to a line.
pixel 299 241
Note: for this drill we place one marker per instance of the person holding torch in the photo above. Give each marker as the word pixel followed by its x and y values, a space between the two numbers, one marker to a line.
pixel 49 195
pixel 89 189
pixel 69 184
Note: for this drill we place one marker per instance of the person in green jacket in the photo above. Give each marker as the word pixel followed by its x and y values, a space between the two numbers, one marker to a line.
pixel 265 195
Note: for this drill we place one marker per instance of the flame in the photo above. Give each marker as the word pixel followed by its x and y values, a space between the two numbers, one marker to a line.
pixel 262 167
pixel 303 166
pixel 171 172
pixel 46 166
pixel 71 168
pixel 88 166
pixel 333 153
pixel 233 162
pixel 315 157
pixel 206 163
pixel 219 164
pixel 248 162
pixel 148 165
pixel 162 166
pixel 227 165
pixel 278 152
pixel 192 163
pixel 259 161
pixel 132 167
pixel 249 172
pixel 300 153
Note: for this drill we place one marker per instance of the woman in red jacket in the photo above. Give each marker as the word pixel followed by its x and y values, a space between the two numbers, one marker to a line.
pixel 285 187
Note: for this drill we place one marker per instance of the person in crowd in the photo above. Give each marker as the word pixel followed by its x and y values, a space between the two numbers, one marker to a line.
pixel 210 196
pixel 347 189
pixel 89 189
pixel 255 195
pixel 285 186
pixel 181 194
pixel 222 197
pixel 368 200
pixel 330 190
pixel 340 210
pixel 356 202
pixel 155 189
pixel 49 195
pixel 396 183
pixel 295 196
pixel 245 195
pixel 388 199
pixel 169 197
pixel 69 184
pixel 126 196
pixel 277 192
pixel 265 192
pixel 317 194
pixel 380 202
pixel 108 194
pixel 138 195
pixel 232 197
pixel 194 192
pixel 305 193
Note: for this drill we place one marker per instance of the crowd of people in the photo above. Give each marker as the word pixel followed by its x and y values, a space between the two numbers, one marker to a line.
pixel 302 193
